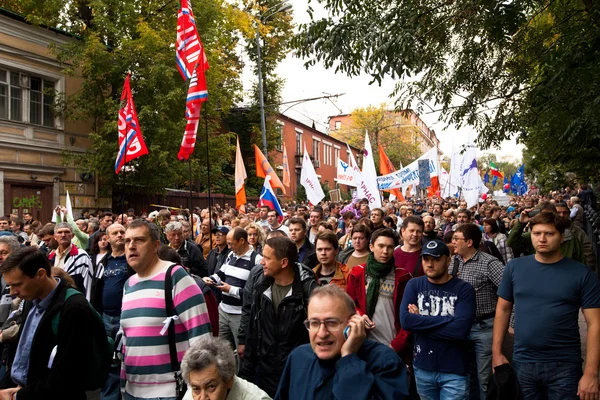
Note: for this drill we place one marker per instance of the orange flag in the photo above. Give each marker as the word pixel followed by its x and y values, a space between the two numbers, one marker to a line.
pixel 240 177
pixel 286 168
pixel 386 167
pixel 263 168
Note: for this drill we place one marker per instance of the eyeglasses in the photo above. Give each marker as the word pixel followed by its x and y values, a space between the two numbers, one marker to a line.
pixel 454 238
pixel 331 324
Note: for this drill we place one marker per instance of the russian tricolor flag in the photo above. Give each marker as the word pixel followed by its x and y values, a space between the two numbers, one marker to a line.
pixel 268 198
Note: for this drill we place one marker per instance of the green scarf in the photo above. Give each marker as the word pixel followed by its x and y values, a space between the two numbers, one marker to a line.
pixel 376 271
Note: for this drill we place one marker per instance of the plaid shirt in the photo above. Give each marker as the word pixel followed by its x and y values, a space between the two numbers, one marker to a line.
pixel 500 241
pixel 484 272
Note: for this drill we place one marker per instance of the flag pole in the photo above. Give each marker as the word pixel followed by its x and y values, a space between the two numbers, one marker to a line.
pixel 124 182
pixel 190 207
pixel 208 174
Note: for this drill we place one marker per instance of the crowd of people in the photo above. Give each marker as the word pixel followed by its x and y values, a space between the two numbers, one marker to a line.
pixel 422 299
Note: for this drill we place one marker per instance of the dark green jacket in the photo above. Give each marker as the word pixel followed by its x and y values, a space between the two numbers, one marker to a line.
pixel 521 243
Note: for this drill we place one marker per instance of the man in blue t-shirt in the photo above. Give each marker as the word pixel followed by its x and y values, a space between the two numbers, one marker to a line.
pixel 547 291
pixel 439 309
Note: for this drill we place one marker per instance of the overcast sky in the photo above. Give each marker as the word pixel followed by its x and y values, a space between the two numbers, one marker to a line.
pixel 301 83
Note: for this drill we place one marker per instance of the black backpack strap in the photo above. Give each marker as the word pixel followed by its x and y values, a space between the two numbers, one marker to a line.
pixel 455 267
pixel 171 330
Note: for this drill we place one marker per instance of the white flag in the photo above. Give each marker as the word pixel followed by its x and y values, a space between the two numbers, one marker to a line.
pixel 69 207
pixel 367 187
pixel 354 166
pixel 345 173
pixel 446 186
pixel 471 181
pixel 310 181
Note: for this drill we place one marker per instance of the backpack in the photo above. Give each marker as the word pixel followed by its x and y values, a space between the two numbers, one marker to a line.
pixel 489 247
pixel 103 348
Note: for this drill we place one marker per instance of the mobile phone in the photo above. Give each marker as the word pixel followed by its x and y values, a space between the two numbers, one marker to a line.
pixel 346 332
pixel 533 213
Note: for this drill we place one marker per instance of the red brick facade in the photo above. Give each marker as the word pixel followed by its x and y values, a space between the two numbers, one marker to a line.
pixel 323 149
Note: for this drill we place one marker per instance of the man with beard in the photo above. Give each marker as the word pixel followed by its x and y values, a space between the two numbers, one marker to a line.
pixel 408 256
pixel 429 232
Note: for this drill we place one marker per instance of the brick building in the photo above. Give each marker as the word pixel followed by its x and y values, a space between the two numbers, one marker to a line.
pixel 32 138
pixel 323 149
pixel 407 119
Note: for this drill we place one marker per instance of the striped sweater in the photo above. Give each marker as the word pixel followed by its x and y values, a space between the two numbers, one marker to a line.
pixel 235 272
pixel 78 264
pixel 146 369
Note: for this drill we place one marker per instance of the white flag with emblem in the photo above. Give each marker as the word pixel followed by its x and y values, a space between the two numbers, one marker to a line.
pixel 310 181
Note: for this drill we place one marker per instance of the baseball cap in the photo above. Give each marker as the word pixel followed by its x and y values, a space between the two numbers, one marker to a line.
pixel 435 248
pixel 223 229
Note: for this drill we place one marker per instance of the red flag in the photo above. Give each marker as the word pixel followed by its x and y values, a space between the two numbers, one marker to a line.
pixel 386 167
pixel 189 48
pixel 131 141
pixel 192 63
pixel 197 94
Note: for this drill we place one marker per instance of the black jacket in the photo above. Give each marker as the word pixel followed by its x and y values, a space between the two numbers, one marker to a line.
pixel 77 325
pixel 215 259
pixel 309 255
pixel 192 258
pixel 271 337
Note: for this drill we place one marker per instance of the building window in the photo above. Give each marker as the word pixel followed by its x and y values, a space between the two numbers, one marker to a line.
pixel 338 125
pixel 326 154
pixel 11 96
pixel 41 102
pixel 40 108
pixel 279 143
pixel 336 151
pixel 315 151
pixel 298 143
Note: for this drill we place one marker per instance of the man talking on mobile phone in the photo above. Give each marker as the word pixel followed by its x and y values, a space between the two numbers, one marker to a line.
pixel 339 362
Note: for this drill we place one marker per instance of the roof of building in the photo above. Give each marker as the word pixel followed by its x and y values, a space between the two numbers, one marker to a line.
pixel 304 126
pixel 21 18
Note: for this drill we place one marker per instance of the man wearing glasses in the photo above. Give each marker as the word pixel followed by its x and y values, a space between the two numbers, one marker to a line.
pixel 340 362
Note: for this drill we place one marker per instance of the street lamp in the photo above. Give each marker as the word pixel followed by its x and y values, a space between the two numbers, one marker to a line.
pixel 281 7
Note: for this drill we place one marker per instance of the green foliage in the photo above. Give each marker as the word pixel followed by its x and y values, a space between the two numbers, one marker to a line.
pixel 117 36
pixel 275 28
pixel 392 130
pixel 523 69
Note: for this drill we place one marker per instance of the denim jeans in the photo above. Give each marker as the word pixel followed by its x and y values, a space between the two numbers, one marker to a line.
pixel 548 380
pixel 441 385
pixel 481 340
pixel 112 389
